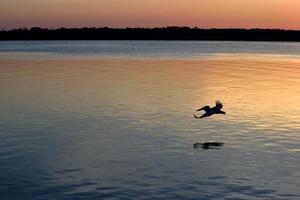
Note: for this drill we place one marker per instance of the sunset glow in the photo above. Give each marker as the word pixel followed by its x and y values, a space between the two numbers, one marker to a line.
pixel 150 13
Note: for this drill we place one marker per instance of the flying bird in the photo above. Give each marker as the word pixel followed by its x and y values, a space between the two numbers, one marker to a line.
pixel 210 111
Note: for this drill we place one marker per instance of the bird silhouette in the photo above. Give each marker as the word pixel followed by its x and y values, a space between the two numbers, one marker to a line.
pixel 210 111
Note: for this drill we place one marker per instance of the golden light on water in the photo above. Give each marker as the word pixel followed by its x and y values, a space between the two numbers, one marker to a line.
pixel 250 86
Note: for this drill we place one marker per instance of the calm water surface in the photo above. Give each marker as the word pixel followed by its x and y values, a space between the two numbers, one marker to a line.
pixel 114 120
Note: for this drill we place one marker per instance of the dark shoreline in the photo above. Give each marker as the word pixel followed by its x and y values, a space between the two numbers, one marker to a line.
pixel 166 33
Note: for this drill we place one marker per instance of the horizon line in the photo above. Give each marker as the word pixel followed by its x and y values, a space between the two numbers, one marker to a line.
pixel 141 27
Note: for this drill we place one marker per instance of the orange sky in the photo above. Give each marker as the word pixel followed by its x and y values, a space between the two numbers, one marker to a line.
pixel 151 13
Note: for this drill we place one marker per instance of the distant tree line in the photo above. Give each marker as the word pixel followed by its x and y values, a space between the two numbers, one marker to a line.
pixel 165 33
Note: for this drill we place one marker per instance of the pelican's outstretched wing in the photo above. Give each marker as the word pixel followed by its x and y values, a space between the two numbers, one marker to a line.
pixel 205 108
pixel 219 105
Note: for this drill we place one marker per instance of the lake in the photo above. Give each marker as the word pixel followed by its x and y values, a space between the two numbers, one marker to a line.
pixel 114 120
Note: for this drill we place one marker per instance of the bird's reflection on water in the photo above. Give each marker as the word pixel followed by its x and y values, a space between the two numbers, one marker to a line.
pixel 209 145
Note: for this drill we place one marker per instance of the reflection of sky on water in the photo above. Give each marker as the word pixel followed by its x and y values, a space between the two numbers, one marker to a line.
pixel 123 128
pixel 150 49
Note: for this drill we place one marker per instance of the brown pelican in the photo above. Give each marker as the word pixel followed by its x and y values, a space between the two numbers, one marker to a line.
pixel 210 111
